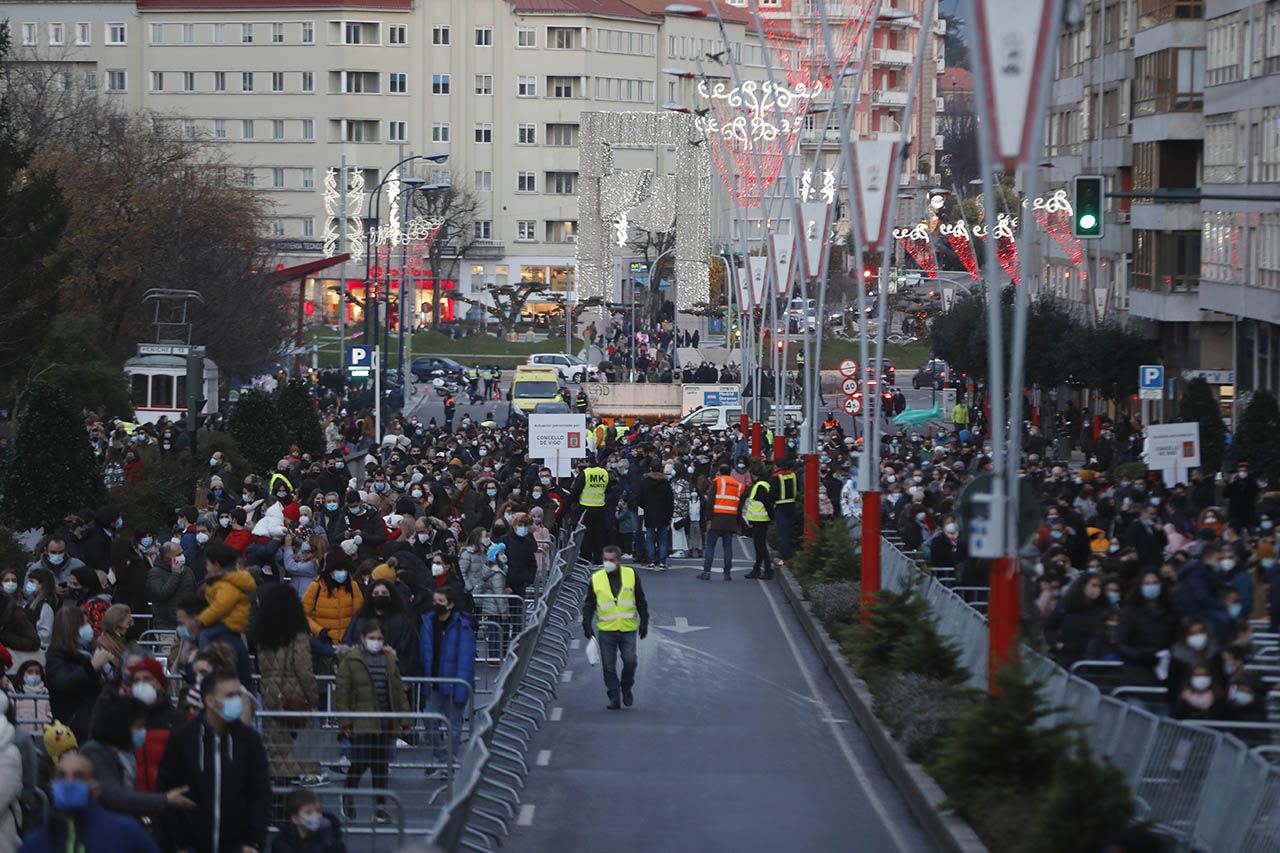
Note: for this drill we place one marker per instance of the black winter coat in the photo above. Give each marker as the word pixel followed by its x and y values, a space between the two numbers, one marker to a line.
pixel 657 500
pixel 522 560
pixel 73 688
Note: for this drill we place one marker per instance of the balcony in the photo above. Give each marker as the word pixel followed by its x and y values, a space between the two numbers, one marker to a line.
pixel 486 249
pixel 886 56
pixel 889 98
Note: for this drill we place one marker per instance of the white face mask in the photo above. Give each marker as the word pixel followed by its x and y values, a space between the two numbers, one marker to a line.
pixel 423 537
pixel 1201 682
pixel 437 569
pixel 145 693
pixel 1197 641
pixel 373 647
pixel 610 566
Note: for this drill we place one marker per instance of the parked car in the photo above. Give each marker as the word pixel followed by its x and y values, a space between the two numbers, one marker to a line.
pixel 570 368
pixel 935 374
pixel 427 367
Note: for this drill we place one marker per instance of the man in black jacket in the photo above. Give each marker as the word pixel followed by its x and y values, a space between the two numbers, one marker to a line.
pixel 223 765
pixel 522 555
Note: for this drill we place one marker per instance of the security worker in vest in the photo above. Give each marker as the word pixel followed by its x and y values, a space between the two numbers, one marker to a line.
pixel 580 403
pixel 783 489
pixel 588 491
pixel 620 611
pixel 757 510
pixel 726 500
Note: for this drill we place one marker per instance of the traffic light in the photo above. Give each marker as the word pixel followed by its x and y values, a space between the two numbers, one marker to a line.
pixel 1086 201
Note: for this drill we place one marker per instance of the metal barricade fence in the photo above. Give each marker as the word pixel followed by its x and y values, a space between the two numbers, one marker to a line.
pixel 1201 786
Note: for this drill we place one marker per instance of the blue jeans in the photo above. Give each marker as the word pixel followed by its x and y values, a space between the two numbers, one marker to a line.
pixel 784 516
pixel 611 643
pixel 658 544
pixel 441 702
pixel 725 538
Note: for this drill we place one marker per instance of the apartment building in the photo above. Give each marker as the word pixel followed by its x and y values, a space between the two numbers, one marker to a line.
pixel 1168 99
pixel 291 90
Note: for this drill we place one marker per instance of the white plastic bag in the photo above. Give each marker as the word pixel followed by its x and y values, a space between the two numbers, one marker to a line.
pixel 593 652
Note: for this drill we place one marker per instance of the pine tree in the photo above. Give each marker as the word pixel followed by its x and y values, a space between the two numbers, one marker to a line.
pixel 53 471
pixel 257 427
pixel 1256 437
pixel 1086 804
pixel 301 421
pixel 1200 405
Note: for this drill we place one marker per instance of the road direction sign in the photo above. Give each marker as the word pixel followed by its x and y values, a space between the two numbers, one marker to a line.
pixel 849 386
pixel 852 405
pixel 848 367
pixel 1151 382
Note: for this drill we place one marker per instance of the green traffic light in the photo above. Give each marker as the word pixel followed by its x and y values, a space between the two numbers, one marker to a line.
pixel 1088 220
pixel 1088 195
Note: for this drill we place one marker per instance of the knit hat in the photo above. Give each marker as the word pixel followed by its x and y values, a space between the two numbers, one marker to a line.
pixel 152 667
pixel 58 739
pixel 384 572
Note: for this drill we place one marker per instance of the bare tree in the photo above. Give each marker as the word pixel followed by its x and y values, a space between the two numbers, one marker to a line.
pixel 457 208
pixel 506 303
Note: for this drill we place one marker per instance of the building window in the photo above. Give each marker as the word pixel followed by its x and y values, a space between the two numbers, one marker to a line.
pixel 277 128
pixel 562 135
pixel 308 178
pixel 482 229
pixel 484 133
pixel 397 131
pixel 483 181
pixel 526 37
pixel 308 81
pixel 277 178
pixel 188 129
pixel 397 34
pixel 188 33
pixel 397 83
pixel 219 81
pixel 352 33
pixel 246 33
pixel 526 230
pixel 484 36
pixel 526 134
pixel 440 35
pixel 564 231
pixel 440 131
pixel 562 87
pixel 277 81
pixel 219 33
pixel 246 81
pixel 526 86
pixel 157 81
pixel 1154 12
pixel 277 33
pixel 57 34
pixel 1170 80
pixel 439 84
pixel 277 228
pixel 246 128
pixel 247 178
pixel 29 35
pixel 526 182
pixel 84 34
pixel 308 129
pixel 308 226
pixel 115 33
pixel 156 33
pixel 563 38
pixel 91 79
pixel 308 32
pixel 631 91
pixel 117 81
pixel 219 128
pixel 188 81
pixel 484 84
pixel 562 183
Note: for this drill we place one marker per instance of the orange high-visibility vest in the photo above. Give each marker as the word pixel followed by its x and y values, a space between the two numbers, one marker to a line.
pixel 728 495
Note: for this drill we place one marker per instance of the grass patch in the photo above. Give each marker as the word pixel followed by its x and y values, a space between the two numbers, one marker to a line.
pixel 469 349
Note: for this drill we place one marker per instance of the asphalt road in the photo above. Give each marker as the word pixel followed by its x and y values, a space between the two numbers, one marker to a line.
pixel 737 741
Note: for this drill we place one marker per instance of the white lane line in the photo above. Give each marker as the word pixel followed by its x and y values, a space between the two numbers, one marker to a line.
pixel 544 757
pixel 575 644
pixel 837 732
pixel 556 714
pixel 566 676
pixel 525 817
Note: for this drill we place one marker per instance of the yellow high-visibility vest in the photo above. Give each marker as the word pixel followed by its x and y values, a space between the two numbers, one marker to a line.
pixel 616 614
pixel 595 481
pixel 755 507
pixel 786 487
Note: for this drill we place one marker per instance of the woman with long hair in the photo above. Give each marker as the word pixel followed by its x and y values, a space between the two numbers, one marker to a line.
pixel 283 640
pixel 399 629
pixel 73 674
pixel 332 598
pixel 39 595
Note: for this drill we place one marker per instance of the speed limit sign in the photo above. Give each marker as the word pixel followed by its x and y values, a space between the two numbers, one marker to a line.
pixel 849 387
pixel 852 405
pixel 848 367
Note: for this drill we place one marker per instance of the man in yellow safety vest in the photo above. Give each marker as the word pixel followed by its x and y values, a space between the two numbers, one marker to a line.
pixel 783 488
pixel 621 615
pixel 757 511
pixel 588 491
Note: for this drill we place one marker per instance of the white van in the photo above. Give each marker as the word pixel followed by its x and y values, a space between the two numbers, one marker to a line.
pixel 715 418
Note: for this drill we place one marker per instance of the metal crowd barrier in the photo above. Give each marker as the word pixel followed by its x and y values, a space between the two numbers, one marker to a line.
pixel 492 769
pixel 1200 784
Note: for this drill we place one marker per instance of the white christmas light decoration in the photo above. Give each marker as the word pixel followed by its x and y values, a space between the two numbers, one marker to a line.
pixel 331 198
pixel 771 110
pixel 354 213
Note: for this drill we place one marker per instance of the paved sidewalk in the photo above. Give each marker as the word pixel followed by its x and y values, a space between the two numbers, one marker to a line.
pixel 738 741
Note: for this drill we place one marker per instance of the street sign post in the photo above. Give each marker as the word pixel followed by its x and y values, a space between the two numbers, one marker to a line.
pixel 849 367
pixel 852 405
pixel 1151 382
pixel 849 386
pixel 359 362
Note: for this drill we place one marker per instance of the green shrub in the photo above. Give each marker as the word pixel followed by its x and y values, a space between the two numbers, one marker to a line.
pixel 923 651
pixel 12 553
pixel 833 555
pixel 256 426
pixel 919 711
pixel 1084 807
pixel 835 603
pixel 301 420
pixel 891 616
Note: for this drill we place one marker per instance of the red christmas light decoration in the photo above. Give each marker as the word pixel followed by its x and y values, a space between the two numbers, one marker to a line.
pixel 918 242
pixel 962 244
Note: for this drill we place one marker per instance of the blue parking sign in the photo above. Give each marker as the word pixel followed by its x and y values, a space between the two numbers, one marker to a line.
pixel 359 360
pixel 1151 381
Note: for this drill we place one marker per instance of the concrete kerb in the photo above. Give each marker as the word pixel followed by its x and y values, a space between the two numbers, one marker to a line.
pixel 923 795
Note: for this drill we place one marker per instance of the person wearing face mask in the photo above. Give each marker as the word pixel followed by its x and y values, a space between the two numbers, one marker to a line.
pixel 147 682
pixel 17 628
pixel 95 544
pixel 1146 536
pixel 1078 619
pixel 119 731
pixel 333 598
pixel 1195 646
pixel 385 601
pixel 617 598
pixel 1200 697
pixel 302 559
pixel 362 531
pixel 170 581
pixel 57 561
pixel 447 646
pixel 283 640
pixel 369 681
pixel 223 764
pixel 914 526
pixel 73 673
pixel 31 697
pixel 522 556
pixel 281 489
pixel 1148 626
pixel 589 491
pixel 78 820
pixel 946 549
pixel 308 828
pixel 1200 584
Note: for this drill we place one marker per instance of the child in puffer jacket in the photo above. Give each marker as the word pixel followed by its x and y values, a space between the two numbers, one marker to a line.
pixel 628 524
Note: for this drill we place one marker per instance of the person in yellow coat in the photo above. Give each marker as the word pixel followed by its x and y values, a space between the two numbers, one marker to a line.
pixel 332 599
pixel 227 593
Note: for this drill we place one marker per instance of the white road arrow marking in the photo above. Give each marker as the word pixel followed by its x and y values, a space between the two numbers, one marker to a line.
pixel 682 626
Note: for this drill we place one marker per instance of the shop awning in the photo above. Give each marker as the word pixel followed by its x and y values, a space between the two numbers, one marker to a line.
pixel 294 273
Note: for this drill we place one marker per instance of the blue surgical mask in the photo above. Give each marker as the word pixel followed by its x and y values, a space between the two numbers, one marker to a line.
pixel 1151 591
pixel 493 493
pixel 85 635
pixel 147 541
pixel 332 506
pixel 56 559
pixel 70 795
pixel 184 634
pixel 340 576
pixel 30 588
pixel 139 738
pixel 1234 609
pixel 231 708
pixel 522 531
pixel 1113 596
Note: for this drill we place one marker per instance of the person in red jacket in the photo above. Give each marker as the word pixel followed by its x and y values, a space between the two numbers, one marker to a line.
pixel 239 537
pixel 282 489
pixel 150 686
